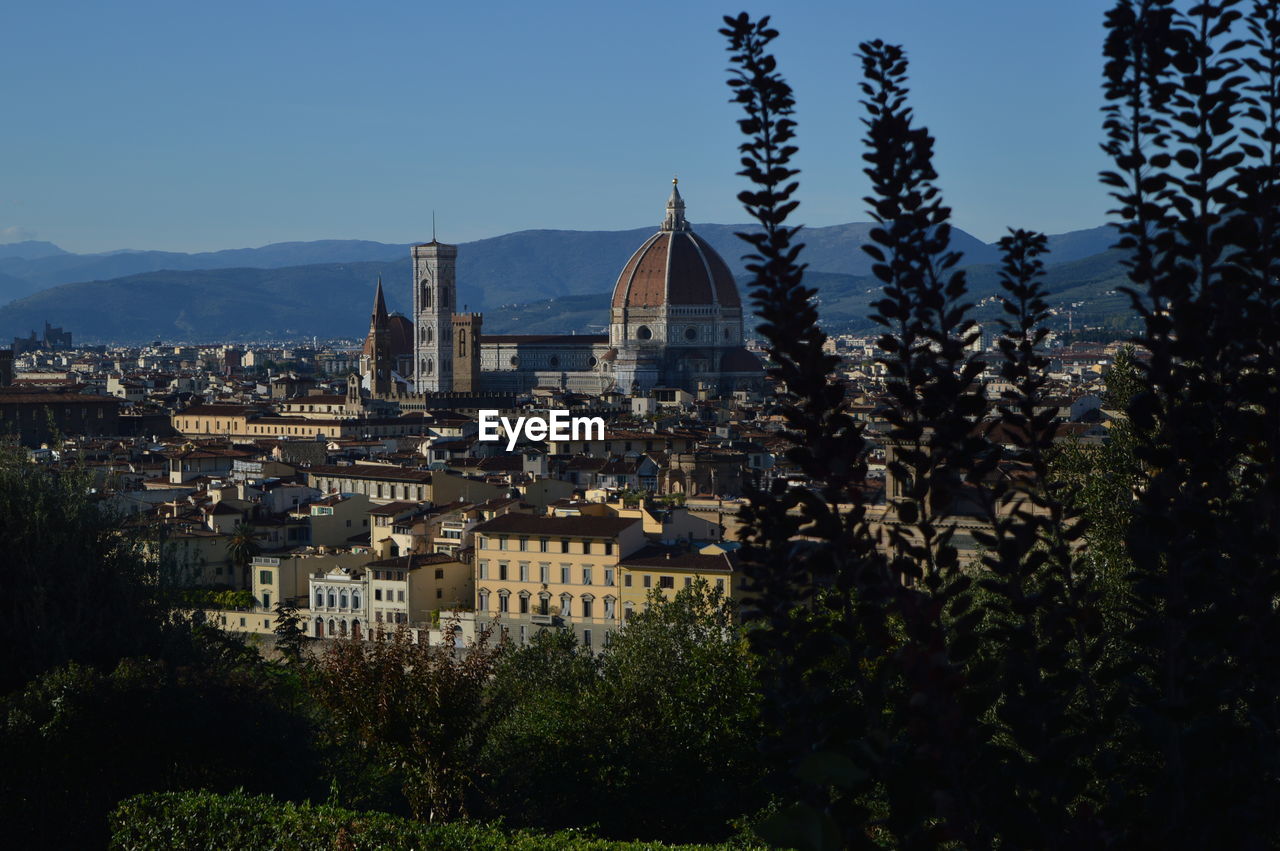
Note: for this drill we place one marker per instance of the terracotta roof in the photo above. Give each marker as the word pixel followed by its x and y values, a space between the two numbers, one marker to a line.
pixel 589 527
pixel 393 508
pixel 369 471
pixel 413 560
pixel 675 267
pixel 659 557
pixel 22 396
pixel 217 411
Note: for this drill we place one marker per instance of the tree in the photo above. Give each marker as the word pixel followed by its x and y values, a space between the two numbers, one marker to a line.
pixel 82 587
pixel 241 549
pixel 1191 129
pixel 412 708
pixel 291 638
pixel 1061 703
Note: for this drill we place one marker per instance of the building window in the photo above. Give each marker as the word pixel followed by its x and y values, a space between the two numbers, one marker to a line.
pixel 666 582
pixel 266 601
pixel 720 585
pixel 524 571
pixel 524 544
pixel 439 573
pixel 688 581
pixel 399 596
pixel 586 575
pixel 566 605
pixel 609 606
pixel 626 580
pixel 587 604
pixel 264 577
pixel 608 548
pixel 643 333
pixel 439 593
pixel 502 570
pixel 524 602
pixel 377 593
pixel 319 600
pixel 503 599
pixel 544 572
pixel 564 545
pixel 564 574
pixel 333 601
pixel 648 581
pixel 484 570
pixel 502 543
pixel 544 603
pixel 608 576
pixel 355 599
pixel 542 545
pixel 342 600
pixel 484 601
pixel 586 638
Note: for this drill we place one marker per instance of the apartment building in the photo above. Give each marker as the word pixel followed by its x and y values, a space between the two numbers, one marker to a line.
pixel 554 572
pixel 410 588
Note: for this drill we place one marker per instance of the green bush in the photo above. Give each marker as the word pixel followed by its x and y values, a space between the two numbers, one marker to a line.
pixel 217 598
pixel 200 820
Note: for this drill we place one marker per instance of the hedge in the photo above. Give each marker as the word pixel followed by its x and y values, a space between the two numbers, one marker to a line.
pixel 217 598
pixel 204 820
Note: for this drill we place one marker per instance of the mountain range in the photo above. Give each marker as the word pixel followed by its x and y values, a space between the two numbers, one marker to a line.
pixel 536 280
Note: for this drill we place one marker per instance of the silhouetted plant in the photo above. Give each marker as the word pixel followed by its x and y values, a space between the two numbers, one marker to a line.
pixel 1191 129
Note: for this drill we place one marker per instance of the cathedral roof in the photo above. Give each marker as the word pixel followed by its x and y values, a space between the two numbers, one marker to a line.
pixel 399 335
pixel 675 266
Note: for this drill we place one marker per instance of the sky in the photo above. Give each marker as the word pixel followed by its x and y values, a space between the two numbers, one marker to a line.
pixel 196 127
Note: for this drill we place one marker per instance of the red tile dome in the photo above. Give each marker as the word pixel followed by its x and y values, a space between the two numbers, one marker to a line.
pixel 675 266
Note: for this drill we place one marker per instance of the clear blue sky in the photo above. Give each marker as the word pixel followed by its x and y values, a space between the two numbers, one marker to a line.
pixel 190 127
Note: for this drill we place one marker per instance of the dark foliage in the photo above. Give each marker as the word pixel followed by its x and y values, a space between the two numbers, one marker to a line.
pixel 82 589
pixel 1056 703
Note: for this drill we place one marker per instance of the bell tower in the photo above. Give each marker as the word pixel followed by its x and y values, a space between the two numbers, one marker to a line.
pixel 378 363
pixel 466 351
pixel 434 297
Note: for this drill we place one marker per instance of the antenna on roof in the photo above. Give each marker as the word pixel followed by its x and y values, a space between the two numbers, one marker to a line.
pixel 433 225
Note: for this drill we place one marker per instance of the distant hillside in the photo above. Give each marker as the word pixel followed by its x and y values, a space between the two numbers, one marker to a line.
pixel 40 272
pixel 507 269
pixel 527 280
pixel 223 304
pixel 31 249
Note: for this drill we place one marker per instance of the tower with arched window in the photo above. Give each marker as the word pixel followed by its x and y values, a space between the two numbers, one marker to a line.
pixel 434 299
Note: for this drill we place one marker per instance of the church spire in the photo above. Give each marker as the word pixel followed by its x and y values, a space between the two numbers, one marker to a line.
pixel 379 308
pixel 675 209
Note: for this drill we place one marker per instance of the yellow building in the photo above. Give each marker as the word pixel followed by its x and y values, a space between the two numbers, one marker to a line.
pixel 659 569
pixel 553 572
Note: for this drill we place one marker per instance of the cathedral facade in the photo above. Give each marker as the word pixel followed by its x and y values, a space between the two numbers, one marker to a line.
pixel 676 321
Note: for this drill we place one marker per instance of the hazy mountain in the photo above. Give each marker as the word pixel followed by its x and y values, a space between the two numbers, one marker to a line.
pixel 31 249
pixel 506 269
pixel 1078 244
pixel 41 272
pixel 334 300
pixel 325 288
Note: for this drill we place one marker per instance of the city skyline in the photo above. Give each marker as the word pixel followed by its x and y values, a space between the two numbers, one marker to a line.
pixel 195 130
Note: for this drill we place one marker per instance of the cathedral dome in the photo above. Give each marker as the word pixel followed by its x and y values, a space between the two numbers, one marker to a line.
pixel 677 267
